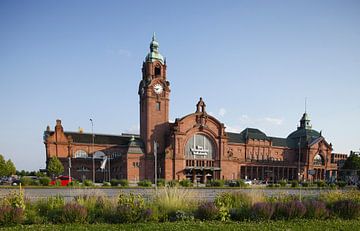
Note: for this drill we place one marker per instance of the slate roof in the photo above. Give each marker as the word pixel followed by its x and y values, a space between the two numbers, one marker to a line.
pixel 254 133
pixel 86 138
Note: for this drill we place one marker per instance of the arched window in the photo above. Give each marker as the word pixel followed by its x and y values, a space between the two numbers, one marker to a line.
pixel 80 154
pixel 99 155
pixel 318 160
pixel 199 147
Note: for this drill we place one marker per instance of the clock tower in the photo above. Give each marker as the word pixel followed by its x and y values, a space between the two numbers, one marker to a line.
pixel 154 94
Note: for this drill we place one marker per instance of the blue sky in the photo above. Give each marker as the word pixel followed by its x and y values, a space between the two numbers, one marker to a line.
pixel 253 62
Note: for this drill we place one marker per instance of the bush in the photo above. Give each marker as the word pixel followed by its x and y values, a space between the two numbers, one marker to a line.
pixel 185 183
pixel 346 209
pixel 320 183
pixel 173 183
pixel 35 183
pixel 26 181
pixel 74 213
pixel 106 184
pixel 180 215
pixel 263 210
pixel 282 183
pixel 50 208
pixel 216 183
pixel 124 182
pixel 289 210
pixel 131 208
pixel 144 183
pixel 316 209
pixel 73 183
pixel 305 184
pixel 11 215
pixel 44 181
pixel 341 184
pixel 114 182
pixel 88 183
pixel 207 211
pixel 161 183
pixel 294 183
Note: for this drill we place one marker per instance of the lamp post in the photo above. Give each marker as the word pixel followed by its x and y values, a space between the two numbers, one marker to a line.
pixel 155 158
pixel 93 160
pixel 299 159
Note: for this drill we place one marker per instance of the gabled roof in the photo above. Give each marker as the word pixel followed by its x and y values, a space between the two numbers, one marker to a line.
pixel 86 138
pixel 254 133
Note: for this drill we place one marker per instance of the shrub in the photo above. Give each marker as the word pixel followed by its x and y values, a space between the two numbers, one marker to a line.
pixel 305 184
pixel 44 181
pixel 106 184
pixel 25 181
pixel 131 208
pixel 57 182
pixel 180 215
pixel 144 183
pixel 50 208
pixel 124 182
pixel 11 215
pixel 263 210
pixel 35 183
pixel 316 209
pixel 207 211
pixel 295 209
pixel 88 183
pixel 216 183
pixel 346 209
pixel 33 217
pixel 341 184
pixel 173 183
pixel 73 183
pixel 114 182
pixel 15 200
pixel 74 213
pixel 294 183
pixel 237 183
pixel 170 200
pixel 282 183
pixel 320 183
pixel 161 183
pixel 185 183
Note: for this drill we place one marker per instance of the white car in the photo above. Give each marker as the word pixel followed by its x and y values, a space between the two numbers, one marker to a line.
pixel 248 182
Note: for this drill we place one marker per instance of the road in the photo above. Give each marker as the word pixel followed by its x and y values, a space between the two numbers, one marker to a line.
pixel 196 193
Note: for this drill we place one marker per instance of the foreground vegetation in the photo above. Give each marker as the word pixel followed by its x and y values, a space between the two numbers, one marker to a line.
pixel 175 205
pixel 293 225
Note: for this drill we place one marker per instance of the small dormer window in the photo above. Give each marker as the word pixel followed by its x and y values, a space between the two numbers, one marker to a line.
pixel 157 71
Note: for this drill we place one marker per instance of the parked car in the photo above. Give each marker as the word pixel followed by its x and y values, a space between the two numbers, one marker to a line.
pixel 248 182
pixel 65 180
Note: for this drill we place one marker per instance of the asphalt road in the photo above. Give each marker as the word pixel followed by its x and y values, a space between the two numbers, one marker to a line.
pixel 196 193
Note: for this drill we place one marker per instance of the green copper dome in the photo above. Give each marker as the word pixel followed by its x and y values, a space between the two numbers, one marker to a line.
pixel 304 133
pixel 154 54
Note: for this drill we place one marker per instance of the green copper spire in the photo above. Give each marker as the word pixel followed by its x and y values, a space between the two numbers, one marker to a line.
pixel 154 54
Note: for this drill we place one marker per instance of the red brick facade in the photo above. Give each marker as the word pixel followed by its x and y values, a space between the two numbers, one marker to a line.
pixel 195 146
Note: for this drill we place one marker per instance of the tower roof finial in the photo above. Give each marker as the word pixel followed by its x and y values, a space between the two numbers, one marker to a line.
pixel 154 36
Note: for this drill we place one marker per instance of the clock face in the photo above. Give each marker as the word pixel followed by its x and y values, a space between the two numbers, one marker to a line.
pixel 158 88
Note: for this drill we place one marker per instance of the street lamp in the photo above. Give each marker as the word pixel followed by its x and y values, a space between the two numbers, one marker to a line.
pixel 93 160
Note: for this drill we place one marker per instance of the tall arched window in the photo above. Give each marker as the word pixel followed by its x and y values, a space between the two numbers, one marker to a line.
pixel 318 160
pixel 199 147
pixel 80 154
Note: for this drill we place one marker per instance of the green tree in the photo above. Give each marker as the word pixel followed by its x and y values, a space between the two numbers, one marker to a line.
pixel 2 166
pixel 352 162
pixel 55 166
pixel 10 168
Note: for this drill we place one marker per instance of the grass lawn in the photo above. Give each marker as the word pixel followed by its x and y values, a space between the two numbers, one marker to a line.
pixel 302 225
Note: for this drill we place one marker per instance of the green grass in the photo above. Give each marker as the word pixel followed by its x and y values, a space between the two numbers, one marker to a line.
pixel 294 225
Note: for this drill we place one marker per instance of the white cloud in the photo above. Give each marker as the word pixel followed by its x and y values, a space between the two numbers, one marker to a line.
pixel 134 129
pixel 222 112
pixel 274 121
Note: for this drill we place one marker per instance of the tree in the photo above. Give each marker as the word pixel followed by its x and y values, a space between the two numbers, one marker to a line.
pixel 10 168
pixel 55 166
pixel 2 166
pixel 352 163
